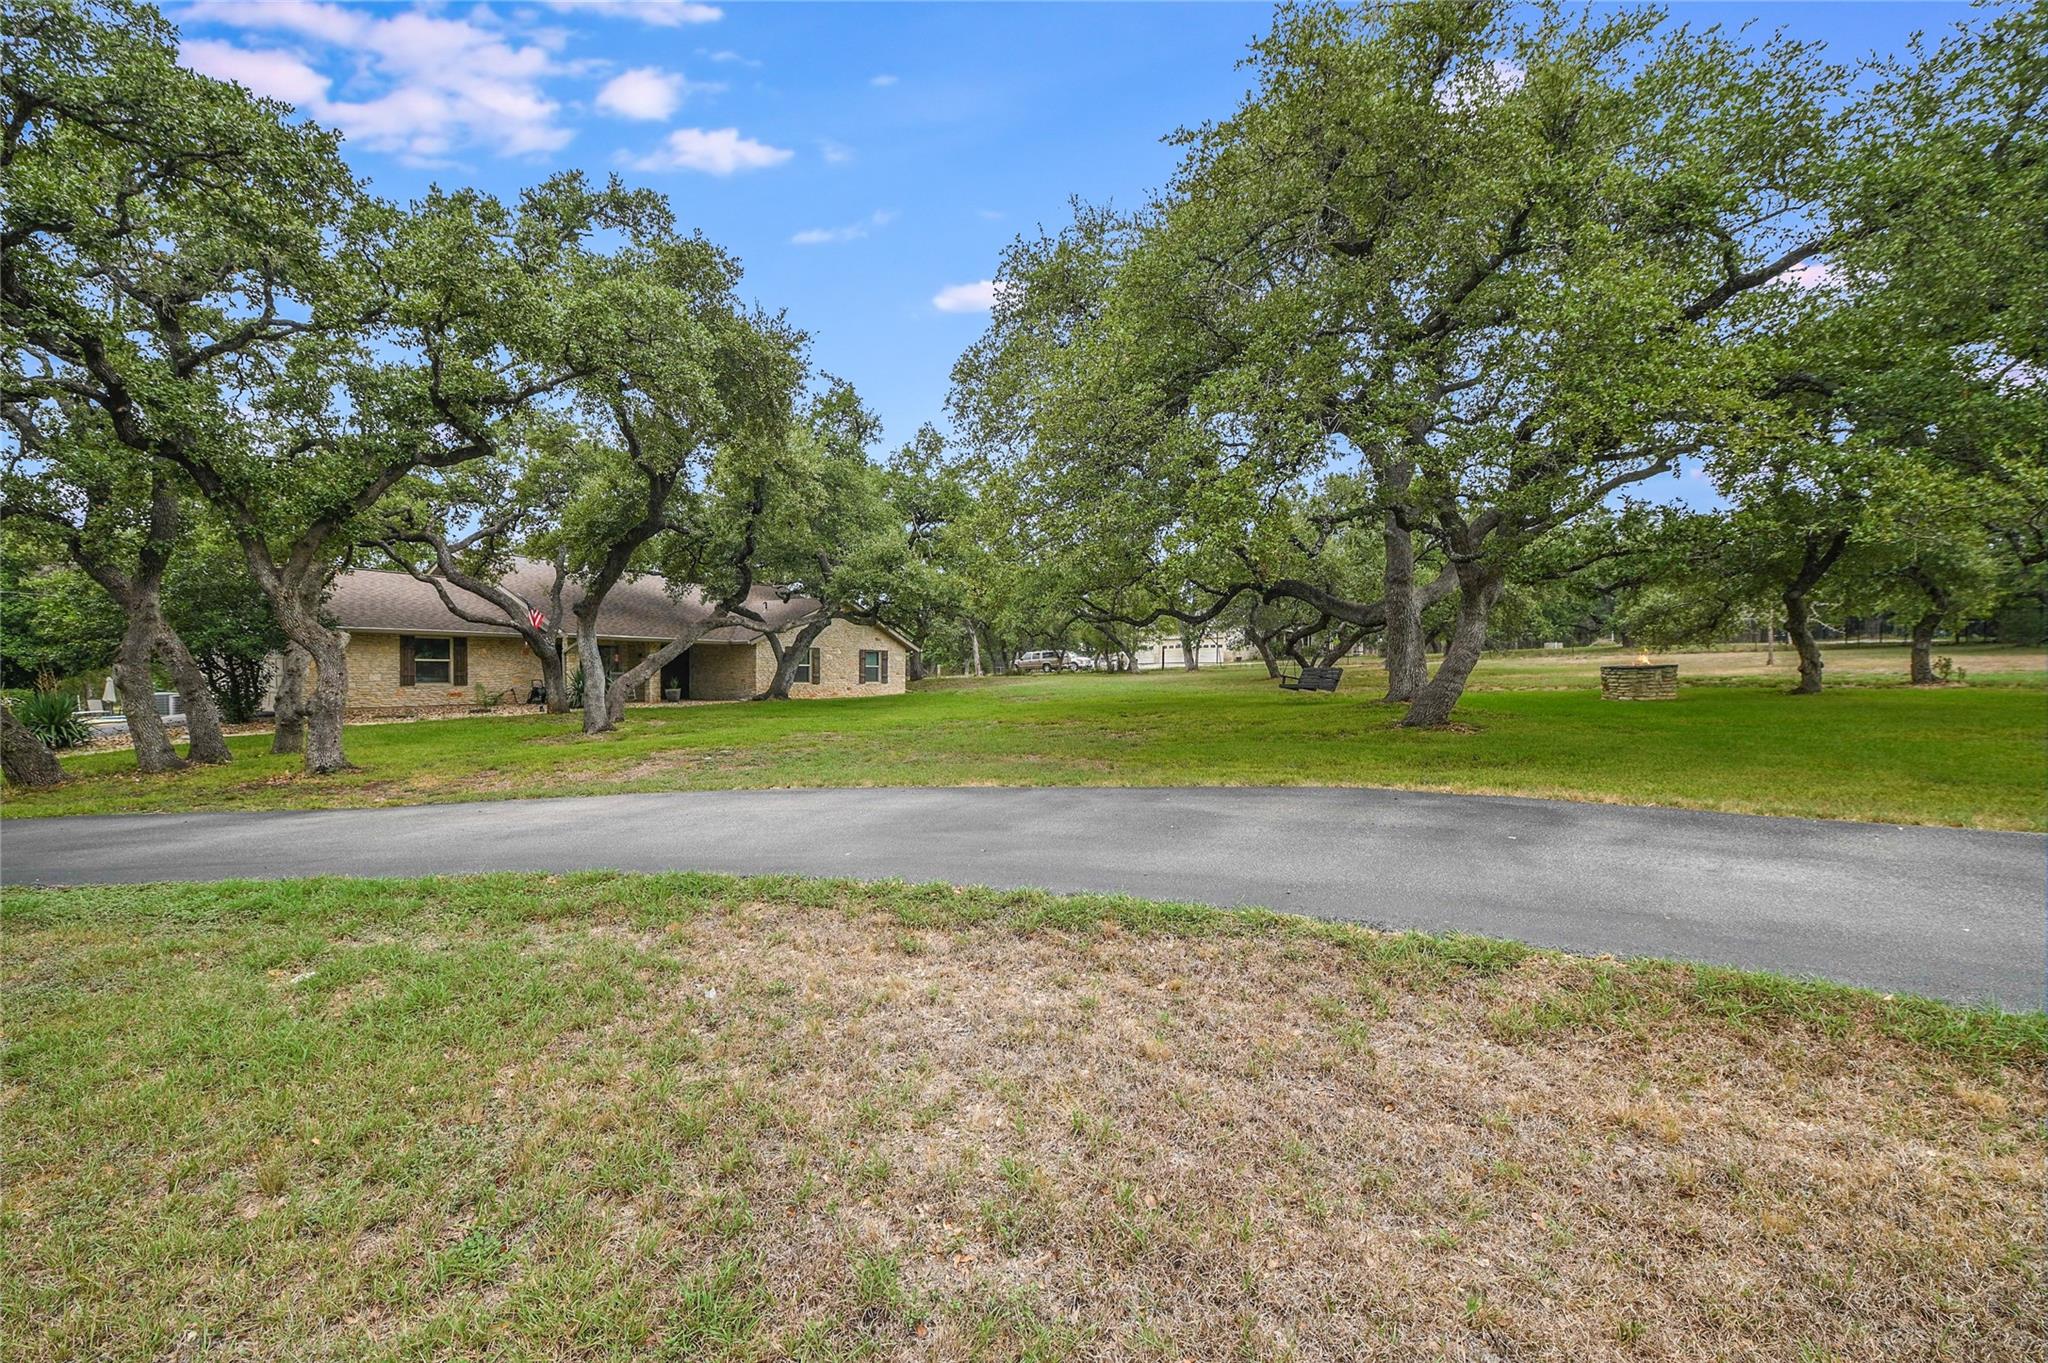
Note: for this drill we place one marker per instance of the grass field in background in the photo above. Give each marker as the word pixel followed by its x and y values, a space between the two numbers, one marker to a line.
pixel 705 1118
pixel 1870 748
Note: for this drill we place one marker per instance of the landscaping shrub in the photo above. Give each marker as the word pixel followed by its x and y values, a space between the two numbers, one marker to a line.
pixel 49 715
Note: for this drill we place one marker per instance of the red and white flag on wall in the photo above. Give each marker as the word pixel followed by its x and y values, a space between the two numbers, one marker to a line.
pixel 538 620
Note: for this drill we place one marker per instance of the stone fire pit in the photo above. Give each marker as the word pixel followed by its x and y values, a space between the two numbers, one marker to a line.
pixel 1640 681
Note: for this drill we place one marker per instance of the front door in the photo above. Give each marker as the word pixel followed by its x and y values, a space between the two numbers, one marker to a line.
pixel 675 677
pixel 618 658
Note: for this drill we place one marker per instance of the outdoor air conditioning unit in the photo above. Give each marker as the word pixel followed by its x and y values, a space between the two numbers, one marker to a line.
pixel 168 705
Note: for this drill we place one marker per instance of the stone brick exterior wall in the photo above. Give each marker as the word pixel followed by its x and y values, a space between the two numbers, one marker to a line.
pixel 717 671
pixel 737 671
pixel 723 671
pixel 839 649
pixel 1656 681
pixel 501 664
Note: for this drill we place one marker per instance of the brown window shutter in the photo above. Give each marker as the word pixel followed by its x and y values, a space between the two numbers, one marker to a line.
pixel 885 667
pixel 460 668
pixel 817 660
pixel 405 672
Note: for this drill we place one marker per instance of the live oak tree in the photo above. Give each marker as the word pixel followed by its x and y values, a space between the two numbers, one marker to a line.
pixel 1909 475
pixel 1489 273
pixel 683 430
pixel 208 275
pixel 468 315
pixel 1938 350
pixel 55 619
pixel 118 517
pixel 509 503
pixel 834 535
pixel 156 224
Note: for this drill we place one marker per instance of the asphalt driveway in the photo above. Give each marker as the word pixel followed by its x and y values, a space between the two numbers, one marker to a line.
pixel 1952 913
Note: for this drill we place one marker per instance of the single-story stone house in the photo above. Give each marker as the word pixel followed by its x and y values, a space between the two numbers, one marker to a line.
pixel 407 651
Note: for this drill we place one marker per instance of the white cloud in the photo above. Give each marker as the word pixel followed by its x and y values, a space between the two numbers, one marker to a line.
pixel 881 81
pixel 990 214
pixel 719 151
pixel 327 23
pixel 979 296
pixel 835 153
pixel 726 56
pixel 419 84
pixel 660 13
pixel 645 92
pixel 853 231
pixel 274 75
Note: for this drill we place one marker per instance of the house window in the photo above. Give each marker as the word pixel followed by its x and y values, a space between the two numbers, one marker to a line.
pixel 433 662
pixel 874 664
pixel 807 669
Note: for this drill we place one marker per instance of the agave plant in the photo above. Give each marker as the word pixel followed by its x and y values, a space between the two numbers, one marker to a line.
pixel 51 716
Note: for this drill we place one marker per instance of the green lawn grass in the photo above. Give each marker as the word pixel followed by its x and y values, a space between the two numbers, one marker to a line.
pixel 1868 749
pixel 697 1117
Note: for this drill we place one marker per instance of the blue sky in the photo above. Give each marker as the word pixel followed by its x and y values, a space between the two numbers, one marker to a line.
pixel 866 162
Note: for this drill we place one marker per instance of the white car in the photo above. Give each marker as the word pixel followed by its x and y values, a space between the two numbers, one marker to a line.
pixel 1051 660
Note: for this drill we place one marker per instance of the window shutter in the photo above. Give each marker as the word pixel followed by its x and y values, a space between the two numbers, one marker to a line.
pixel 817 659
pixel 405 672
pixel 885 667
pixel 459 651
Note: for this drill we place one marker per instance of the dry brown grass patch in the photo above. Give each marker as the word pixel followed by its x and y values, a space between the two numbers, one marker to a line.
pixel 767 1129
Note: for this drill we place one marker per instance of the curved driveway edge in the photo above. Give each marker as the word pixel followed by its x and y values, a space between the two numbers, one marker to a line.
pixel 1951 913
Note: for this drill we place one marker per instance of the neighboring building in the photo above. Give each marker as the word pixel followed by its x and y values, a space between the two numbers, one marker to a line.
pixel 1167 651
pixel 1211 650
pixel 407 651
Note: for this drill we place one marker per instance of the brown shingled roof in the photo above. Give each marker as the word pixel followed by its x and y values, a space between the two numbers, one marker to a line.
pixel 371 600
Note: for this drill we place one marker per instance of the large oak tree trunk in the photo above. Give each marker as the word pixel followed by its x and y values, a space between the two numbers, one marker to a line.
pixel 1478 589
pixel 789 656
pixel 1190 652
pixel 1799 629
pixel 1407 665
pixel 324 753
pixel 597 708
pixel 139 594
pixel 327 702
pixel 24 759
pixel 1922 666
pixel 554 679
pixel 289 701
pixel 629 681
pixel 137 689
pixel 1261 641
pixel 1819 556
pixel 202 717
